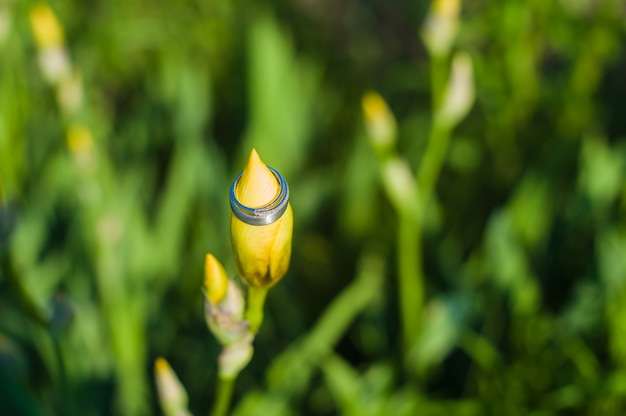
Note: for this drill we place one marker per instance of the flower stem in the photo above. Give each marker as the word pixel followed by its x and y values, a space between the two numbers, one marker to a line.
pixel 434 158
pixel 254 312
pixel 438 77
pixel 411 279
pixel 223 395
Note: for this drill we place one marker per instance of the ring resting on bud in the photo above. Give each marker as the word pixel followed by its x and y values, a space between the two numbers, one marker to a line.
pixel 267 213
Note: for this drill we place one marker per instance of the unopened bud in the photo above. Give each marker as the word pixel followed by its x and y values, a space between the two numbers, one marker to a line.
pixel 379 122
pixel 215 279
pixel 81 145
pixel 459 94
pixel 46 28
pixel 261 224
pixel 172 394
pixel 441 26
pixel 225 319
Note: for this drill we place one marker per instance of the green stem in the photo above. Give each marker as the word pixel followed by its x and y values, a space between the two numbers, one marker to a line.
pixel 432 162
pixel 346 306
pixel 439 138
pixel 411 280
pixel 410 261
pixel 223 396
pixel 438 76
pixel 291 372
pixel 254 312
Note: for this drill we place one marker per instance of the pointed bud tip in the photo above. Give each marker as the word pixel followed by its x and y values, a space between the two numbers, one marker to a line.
pixel 373 105
pixel 254 166
pixel 449 8
pixel 379 121
pixel 45 26
pixel 161 365
pixel 257 185
pixel 215 279
pixel 254 157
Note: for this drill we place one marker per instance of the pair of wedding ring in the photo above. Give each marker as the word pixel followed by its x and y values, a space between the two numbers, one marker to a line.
pixel 266 214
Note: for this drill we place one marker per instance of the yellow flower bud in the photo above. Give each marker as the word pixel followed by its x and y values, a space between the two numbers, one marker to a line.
pixel 45 25
pixel 261 252
pixel 441 26
pixel 449 8
pixel 215 279
pixel 379 121
pixel 80 144
pixel 172 394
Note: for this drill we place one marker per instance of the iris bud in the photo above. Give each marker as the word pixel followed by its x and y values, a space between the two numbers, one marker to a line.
pixel 441 26
pixel 172 395
pixel 46 28
pixel 215 279
pixel 262 252
pixel 223 304
pixel 379 122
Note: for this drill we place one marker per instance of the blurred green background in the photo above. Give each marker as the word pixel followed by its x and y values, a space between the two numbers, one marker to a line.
pixel 494 282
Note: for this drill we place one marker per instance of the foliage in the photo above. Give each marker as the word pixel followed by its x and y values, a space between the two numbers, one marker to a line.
pixel 500 290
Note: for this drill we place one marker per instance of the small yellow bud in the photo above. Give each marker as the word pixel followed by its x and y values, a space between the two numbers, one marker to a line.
pixel 80 144
pixel 225 319
pixel 215 279
pixel 379 121
pixel 45 26
pixel 172 394
pixel 448 8
pixel 261 252
pixel 161 366
pixel 441 26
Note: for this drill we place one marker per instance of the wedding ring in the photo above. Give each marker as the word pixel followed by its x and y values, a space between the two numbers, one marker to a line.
pixel 266 214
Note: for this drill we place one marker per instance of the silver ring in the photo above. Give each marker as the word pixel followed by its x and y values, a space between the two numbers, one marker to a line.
pixel 266 214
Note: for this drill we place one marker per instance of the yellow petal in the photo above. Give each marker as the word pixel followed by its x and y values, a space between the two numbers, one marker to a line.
pixel 215 279
pixel 280 253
